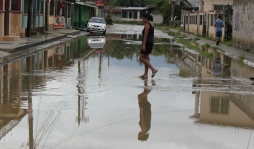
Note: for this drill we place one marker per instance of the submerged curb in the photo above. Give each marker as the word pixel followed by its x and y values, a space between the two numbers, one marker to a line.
pixel 42 47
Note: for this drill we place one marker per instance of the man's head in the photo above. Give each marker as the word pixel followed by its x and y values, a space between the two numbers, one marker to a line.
pixel 219 17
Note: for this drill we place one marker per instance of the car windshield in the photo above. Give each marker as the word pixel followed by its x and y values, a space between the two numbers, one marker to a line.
pixel 97 20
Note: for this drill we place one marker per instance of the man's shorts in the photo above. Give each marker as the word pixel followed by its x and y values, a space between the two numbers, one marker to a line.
pixel 219 34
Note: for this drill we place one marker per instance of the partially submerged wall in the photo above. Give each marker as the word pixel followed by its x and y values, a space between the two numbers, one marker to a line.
pixel 243 24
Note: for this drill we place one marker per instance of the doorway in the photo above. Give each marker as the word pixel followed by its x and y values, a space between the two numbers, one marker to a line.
pixel 46 14
pixel 6 17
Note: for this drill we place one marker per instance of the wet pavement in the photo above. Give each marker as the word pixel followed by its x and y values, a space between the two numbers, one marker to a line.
pixel 86 94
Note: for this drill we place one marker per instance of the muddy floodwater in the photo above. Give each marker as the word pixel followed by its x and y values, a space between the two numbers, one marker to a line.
pixel 86 94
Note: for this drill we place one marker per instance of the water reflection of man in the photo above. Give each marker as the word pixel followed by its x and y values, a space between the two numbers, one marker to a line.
pixel 145 114
pixel 217 66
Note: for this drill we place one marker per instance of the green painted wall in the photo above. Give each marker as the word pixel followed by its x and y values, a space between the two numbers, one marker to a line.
pixel 76 15
pixel 84 16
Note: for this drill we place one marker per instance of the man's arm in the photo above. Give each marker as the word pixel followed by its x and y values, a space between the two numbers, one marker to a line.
pixel 215 24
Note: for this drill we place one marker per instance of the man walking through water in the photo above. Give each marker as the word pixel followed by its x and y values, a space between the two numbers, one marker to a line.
pixel 218 24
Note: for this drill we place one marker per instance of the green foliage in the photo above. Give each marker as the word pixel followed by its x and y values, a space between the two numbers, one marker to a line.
pixel 215 48
pixel 241 57
pixel 209 55
pixel 178 33
pixel 195 39
pixel 186 43
pixel 228 43
pixel 109 20
pixel 164 7
pixel 170 33
pixel 207 45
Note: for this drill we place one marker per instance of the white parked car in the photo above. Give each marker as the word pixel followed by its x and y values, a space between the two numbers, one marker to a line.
pixel 96 42
pixel 96 24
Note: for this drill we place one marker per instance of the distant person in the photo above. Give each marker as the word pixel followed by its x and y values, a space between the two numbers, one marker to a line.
pixel 217 70
pixel 147 44
pixel 145 114
pixel 218 24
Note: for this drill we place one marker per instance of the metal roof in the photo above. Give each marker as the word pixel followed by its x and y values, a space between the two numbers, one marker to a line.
pixel 134 8
pixel 86 4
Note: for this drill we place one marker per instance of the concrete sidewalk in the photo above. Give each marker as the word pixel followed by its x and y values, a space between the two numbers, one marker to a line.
pixel 7 47
pixel 229 50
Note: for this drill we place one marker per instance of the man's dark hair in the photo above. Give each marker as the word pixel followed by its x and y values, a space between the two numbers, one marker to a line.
pixel 219 17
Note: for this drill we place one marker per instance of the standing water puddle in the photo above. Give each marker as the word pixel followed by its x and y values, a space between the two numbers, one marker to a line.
pixel 87 94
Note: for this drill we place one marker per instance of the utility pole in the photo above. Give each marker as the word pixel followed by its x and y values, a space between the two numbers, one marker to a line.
pixel 172 10
pixel 29 20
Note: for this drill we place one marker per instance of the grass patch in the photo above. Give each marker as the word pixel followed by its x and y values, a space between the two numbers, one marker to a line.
pixel 178 33
pixel 241 57
pixel 171 33
pixel 215 48
pixel 194 39
pixel 186 43
pixel 227 43
pixel 179 28
pixel 207 46
pixel 252 83
pixel 162 28
pixel 207 54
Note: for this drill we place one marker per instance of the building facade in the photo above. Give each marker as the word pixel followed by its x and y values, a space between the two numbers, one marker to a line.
pixel 243 20
pixel 202 22
pixel 10 11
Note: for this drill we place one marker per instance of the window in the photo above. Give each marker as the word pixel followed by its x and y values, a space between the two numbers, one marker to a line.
pixel 57 10
pixel 212 22
pixel 135 14
pixel 222 7
pixel 14 5
pixel 219 105
pixel 42 7
pixel 51 11
pixel 26 6
pixel 130 14
pixel 97 20
pixel 124 14
pixel 200 20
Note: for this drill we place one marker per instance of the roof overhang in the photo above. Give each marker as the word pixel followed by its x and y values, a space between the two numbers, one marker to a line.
pixel 86 4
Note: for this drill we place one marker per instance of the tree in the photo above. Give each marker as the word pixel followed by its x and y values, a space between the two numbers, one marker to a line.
pixel 111 5
pixel 164 7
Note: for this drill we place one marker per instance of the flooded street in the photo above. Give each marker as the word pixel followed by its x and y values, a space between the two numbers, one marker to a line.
pixel 86 94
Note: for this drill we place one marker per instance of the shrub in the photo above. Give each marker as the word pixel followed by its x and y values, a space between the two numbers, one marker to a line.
pixel 109 20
